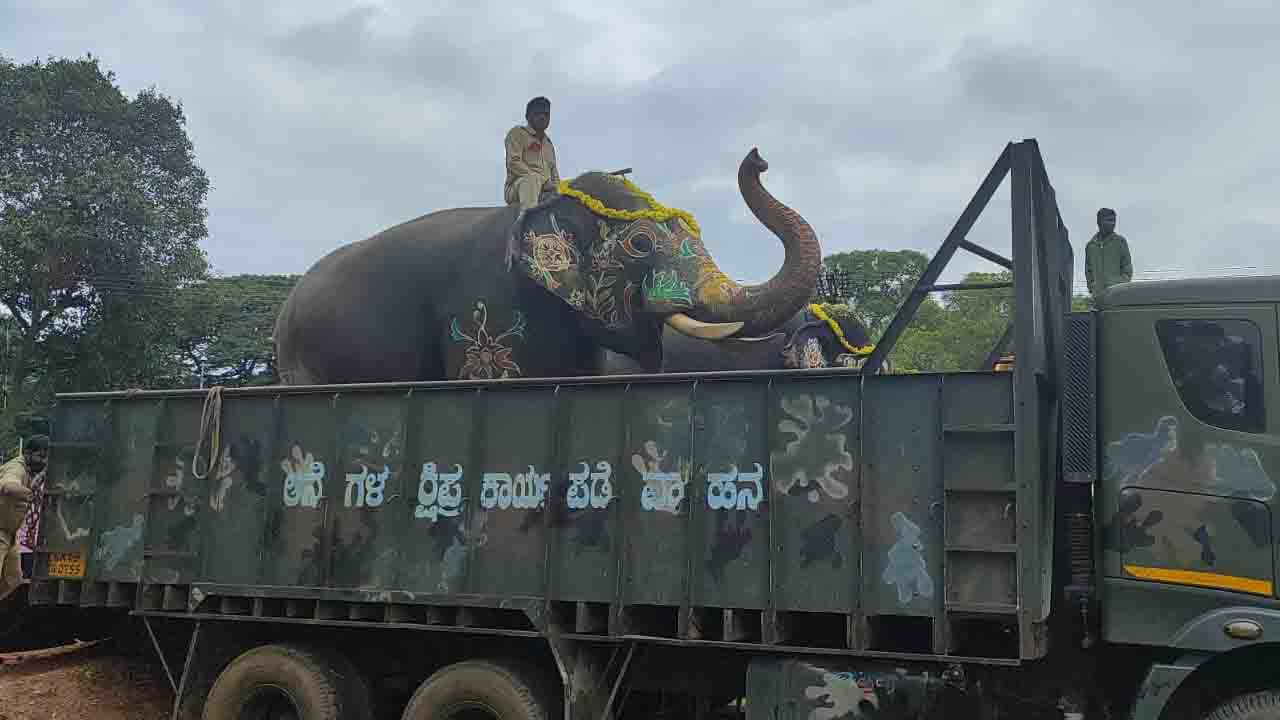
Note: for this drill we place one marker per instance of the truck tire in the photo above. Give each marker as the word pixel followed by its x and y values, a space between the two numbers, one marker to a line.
pixel 288 682
pixel 1263 705
pixel 479 690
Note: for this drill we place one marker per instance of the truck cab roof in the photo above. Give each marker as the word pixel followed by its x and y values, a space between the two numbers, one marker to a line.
pixel 1217 290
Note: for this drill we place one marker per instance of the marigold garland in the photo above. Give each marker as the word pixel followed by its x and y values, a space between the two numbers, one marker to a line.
pixel 835 328
pixel 657 212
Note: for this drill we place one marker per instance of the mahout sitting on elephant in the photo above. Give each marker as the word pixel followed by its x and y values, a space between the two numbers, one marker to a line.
pixel 819 336
pixel 601 265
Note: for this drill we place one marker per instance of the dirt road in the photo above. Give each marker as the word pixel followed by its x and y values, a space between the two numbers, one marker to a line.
pixel 97 683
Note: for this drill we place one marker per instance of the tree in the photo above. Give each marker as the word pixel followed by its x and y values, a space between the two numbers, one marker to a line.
pixel 101 213
pixel 957 333
pixel 226 327
pixel 879 281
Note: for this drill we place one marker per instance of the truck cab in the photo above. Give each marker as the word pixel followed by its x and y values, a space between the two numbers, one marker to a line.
pixel 1188 432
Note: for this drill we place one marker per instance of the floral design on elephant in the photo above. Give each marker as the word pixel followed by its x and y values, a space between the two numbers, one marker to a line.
pixel 550 253
pixel 487 356
pixel 666 286
pixel 599 302
pixel 602 259
pixel 812 354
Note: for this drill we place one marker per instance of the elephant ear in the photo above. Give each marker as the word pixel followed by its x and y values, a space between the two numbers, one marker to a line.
pixel 597 270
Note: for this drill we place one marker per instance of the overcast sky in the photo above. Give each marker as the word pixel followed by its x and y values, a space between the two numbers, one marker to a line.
pixel 321 122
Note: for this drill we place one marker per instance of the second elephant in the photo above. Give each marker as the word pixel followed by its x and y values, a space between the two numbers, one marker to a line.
pixel 806 340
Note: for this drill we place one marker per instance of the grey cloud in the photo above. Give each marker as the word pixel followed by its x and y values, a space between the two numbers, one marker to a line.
pixel 320 124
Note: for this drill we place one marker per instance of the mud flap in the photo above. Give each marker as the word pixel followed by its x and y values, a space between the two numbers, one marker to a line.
pixel 1160 684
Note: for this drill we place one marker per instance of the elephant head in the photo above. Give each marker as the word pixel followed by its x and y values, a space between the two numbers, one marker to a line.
pixel 825 336
pixel 626 264
pixel 818 336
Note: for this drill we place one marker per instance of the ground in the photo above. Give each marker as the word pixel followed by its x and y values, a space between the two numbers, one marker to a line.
pixel 99 682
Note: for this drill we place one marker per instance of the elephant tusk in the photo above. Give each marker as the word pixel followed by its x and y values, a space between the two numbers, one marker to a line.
pixel 767 338
pixel 704 330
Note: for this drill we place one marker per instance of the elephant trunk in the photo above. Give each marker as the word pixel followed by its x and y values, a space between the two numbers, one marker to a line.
pixel 762 308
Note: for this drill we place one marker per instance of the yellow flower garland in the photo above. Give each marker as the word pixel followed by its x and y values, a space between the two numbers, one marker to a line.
pixel 657 212
pixel 835 328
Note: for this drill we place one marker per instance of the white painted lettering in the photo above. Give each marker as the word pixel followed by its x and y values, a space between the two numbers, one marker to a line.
pixel 724 492
pixel 439 494
pixel 368 488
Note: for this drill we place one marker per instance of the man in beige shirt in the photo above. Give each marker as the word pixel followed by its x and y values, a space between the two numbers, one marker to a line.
pixel 15 501
pixel 531 158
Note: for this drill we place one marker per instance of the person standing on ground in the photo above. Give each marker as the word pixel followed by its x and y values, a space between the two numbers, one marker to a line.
pixel 531 158
pixel 1106 257
pixel 29 533
pixel 15 500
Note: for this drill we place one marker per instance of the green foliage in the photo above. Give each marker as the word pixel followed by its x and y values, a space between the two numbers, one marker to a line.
pixel 226 323
pixel 879 280
pixel 950 332
pixel 101 215
pixel 957 333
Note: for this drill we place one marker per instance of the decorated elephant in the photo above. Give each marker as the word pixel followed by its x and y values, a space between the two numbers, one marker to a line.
pixel 481 293
pixel 816 337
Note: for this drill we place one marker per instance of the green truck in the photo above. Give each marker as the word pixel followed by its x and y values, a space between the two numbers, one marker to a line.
pixel 1087 535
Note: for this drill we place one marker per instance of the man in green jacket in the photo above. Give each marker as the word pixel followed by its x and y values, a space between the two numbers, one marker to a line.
pixel 1106 257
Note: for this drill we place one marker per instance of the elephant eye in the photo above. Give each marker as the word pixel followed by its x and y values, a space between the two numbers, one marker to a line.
pixel 639 245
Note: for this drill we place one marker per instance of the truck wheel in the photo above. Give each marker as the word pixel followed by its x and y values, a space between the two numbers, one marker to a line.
pixel 478 690
pixel 1263 705
pixel 288 682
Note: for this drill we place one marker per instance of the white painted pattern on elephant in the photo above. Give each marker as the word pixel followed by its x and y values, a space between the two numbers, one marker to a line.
pixel 303 479
pixel 905 566
pixel 845 695
pixel 598 494
pixel 724 491
pixel 116 543
pixel 818 451
pixel 439 494
pixel 526 491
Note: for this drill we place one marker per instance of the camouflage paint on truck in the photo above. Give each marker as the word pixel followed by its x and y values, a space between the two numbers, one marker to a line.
pixel 777 508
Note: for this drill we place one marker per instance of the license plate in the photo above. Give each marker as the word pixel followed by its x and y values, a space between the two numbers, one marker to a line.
pixel 66 565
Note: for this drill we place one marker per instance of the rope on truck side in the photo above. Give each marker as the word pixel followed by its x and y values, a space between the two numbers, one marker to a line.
pixel 210 424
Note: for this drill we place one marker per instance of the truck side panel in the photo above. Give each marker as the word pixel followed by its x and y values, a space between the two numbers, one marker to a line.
pixel 820 510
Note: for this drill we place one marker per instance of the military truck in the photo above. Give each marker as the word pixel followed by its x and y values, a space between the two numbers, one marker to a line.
pixel 1088 535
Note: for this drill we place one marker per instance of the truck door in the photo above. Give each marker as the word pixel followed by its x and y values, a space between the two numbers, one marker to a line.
pixel 1190 440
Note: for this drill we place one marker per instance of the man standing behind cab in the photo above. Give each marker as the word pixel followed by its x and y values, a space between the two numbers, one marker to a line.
pixel 1106 257
pixel 531 158
pixel 15 501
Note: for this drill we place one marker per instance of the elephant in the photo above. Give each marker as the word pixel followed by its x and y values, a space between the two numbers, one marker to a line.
pixel 484 293
pixel 806 340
